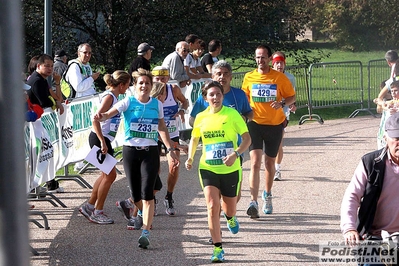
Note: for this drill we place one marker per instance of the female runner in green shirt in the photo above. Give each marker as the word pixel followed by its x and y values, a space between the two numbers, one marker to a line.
pixel 219 168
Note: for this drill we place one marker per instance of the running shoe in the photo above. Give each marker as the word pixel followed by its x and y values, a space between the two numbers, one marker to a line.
pixel 253 210
pixel 78 166
pixel 218 254
pixel 144 240
pixel 85 211
pixel 170 209
pixel 57 190
pixel 130 223
pixel 277 176
pixel 267 203
pixel 233 225
pixel 138 222
pixel 100 218
pixel 124 207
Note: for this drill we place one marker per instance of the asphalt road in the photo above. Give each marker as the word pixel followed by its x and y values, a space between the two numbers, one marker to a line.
pixel 319 161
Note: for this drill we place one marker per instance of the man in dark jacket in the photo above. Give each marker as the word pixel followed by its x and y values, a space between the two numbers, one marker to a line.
pixel 144 52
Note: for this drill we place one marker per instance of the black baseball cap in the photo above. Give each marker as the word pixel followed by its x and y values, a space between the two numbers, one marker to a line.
pixel 60 53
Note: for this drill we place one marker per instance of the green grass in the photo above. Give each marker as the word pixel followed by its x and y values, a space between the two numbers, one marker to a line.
pixel 335 55
pixel 342 56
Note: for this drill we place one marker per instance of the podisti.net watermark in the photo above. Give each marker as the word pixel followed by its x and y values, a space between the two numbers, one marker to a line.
pixel 367 251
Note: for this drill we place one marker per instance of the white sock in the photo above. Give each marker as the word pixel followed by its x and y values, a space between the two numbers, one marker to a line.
pixel 278 167
pixel 97 212
pixel 91 206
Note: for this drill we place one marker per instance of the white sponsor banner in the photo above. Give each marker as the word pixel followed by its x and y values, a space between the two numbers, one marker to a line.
pixel 55 140
pixel 191 92
pixel 42 154
pixel 81 111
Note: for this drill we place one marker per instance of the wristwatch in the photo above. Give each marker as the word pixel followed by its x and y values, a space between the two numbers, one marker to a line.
pixel 282 103
pixel 170 149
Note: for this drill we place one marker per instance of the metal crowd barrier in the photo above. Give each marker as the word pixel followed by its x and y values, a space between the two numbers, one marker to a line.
pixel 337 84
pixel 378 71
pixel 303 93
pixel 326 85
pixel 237 79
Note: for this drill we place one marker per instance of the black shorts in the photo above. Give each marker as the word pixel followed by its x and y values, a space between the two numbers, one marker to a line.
pixel 95 141
pixel 228 184
pixel 265 137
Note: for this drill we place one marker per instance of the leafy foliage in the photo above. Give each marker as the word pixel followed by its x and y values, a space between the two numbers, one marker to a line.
pixel 115 28
pixel 357 25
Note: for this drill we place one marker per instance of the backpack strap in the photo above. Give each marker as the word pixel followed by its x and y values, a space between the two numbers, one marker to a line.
pixel 73 90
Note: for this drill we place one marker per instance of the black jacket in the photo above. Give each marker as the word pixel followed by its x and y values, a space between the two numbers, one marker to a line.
pixel 374 164
pixel 139 62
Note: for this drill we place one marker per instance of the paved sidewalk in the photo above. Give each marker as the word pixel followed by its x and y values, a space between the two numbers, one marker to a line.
pixel 319 161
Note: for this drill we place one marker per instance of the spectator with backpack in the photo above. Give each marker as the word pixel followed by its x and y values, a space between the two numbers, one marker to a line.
pixel 79 74
pixel 80 79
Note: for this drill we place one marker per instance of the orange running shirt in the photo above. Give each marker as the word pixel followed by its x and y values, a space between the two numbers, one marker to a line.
pixel 262 90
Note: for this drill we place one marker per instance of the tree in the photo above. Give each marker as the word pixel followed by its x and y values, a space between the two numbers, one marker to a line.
pixel 357 24
pixel 115 28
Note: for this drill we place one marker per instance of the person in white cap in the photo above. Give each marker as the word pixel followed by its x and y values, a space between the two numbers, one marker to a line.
pixel 369 208
pixel 144 52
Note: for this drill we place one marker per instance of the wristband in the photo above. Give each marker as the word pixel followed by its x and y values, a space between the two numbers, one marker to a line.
pixel 237 153
pixel 184 110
